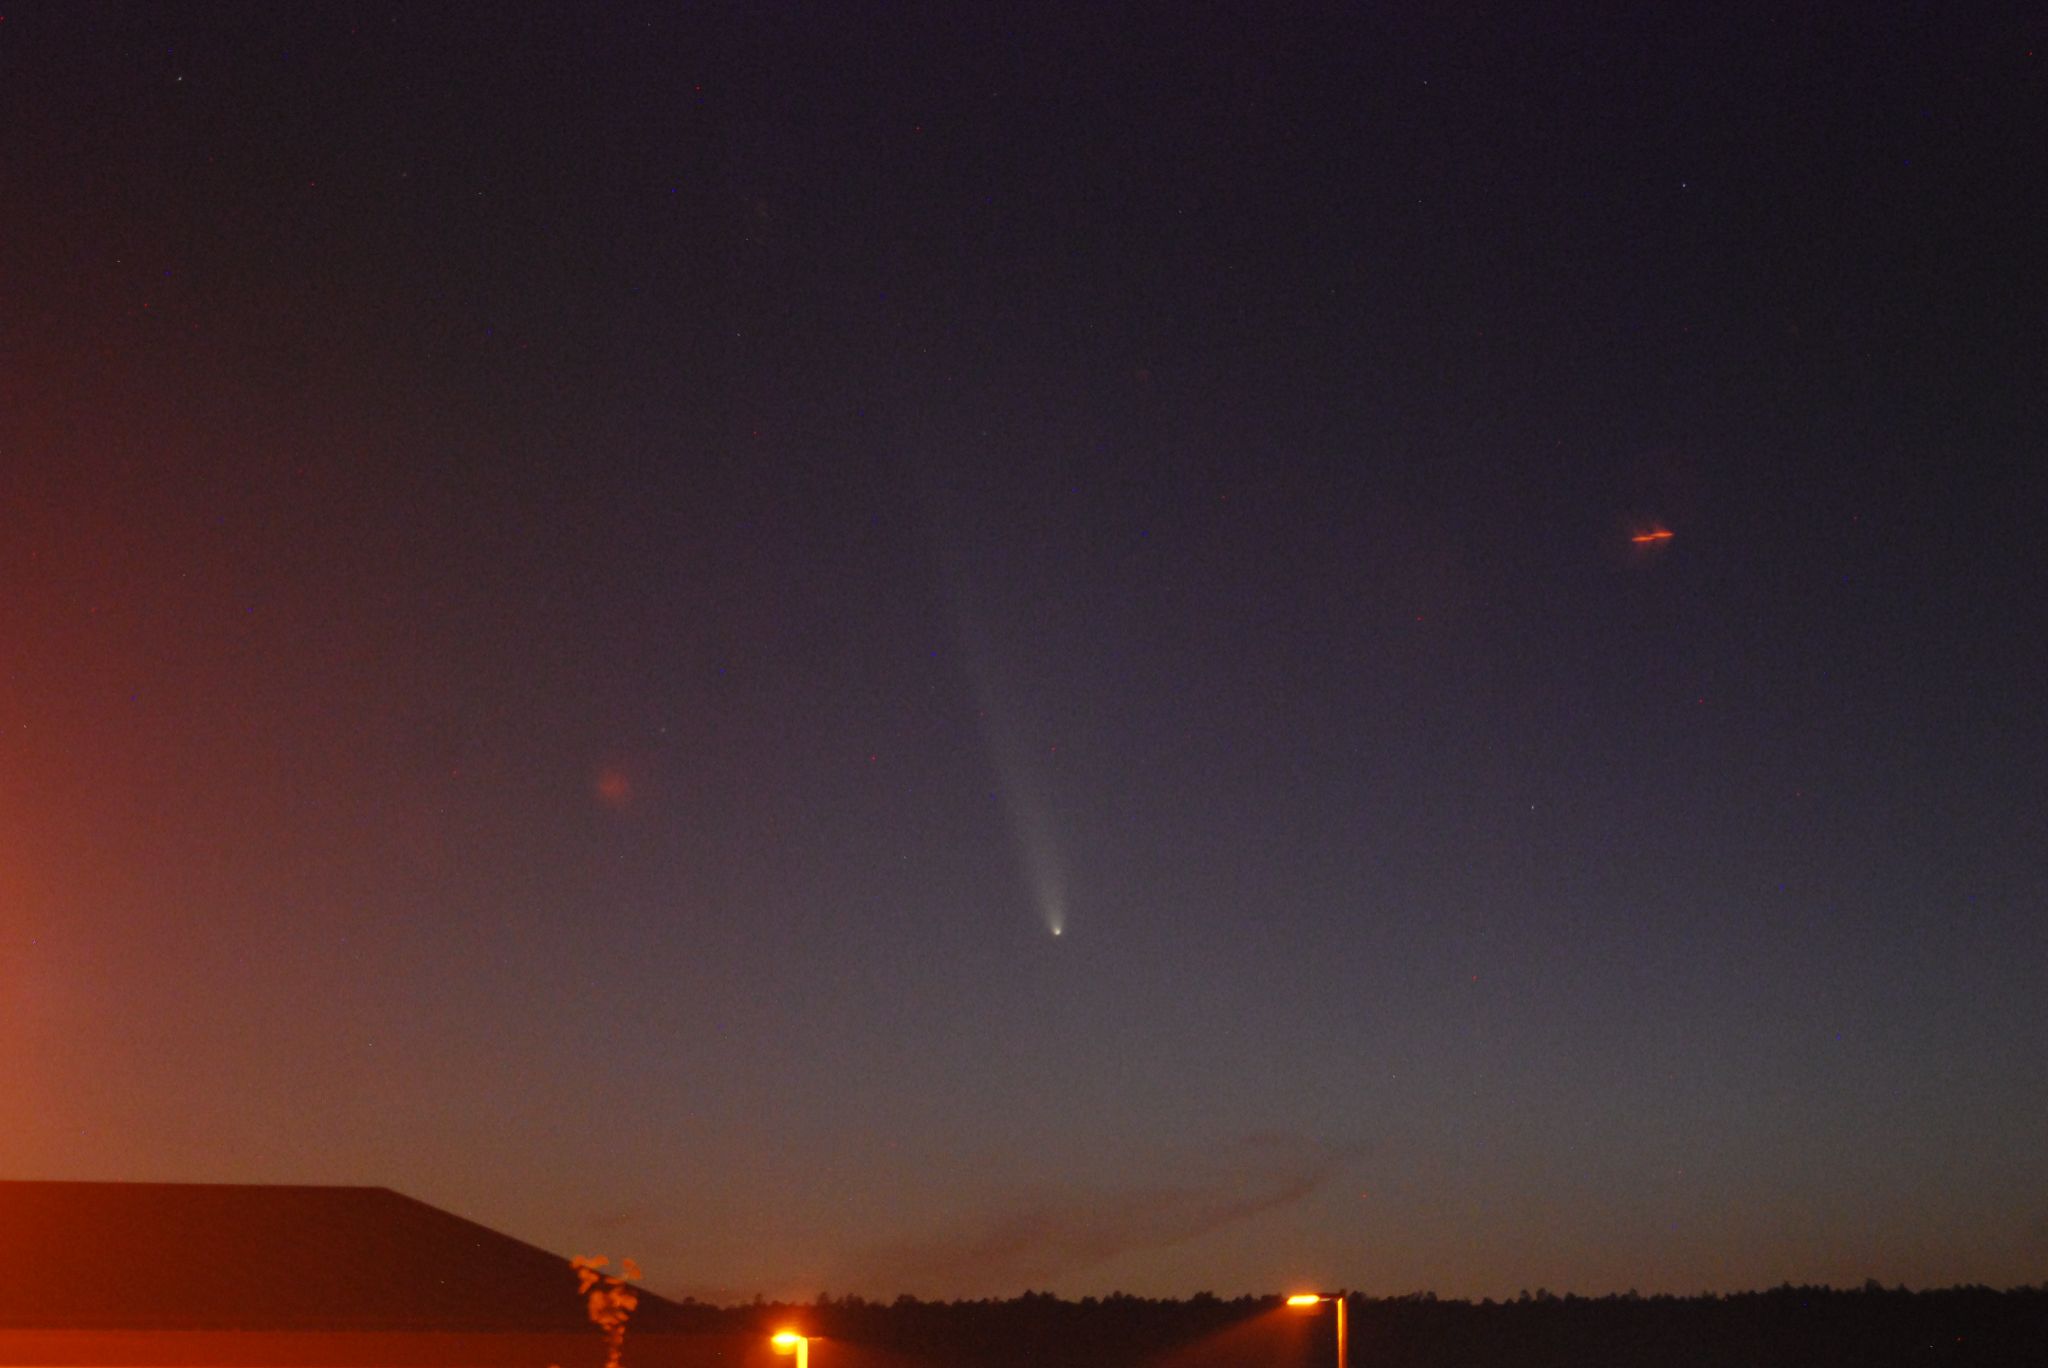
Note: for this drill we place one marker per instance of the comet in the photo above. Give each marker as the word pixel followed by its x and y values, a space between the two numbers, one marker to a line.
pixel 1024 780
pixel 1016 736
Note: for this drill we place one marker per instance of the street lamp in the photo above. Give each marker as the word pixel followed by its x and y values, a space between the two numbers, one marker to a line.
pixel 1308 1299
pixel 790 1342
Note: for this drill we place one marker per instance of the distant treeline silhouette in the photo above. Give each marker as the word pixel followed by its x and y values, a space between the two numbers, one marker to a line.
pixel 1796 1327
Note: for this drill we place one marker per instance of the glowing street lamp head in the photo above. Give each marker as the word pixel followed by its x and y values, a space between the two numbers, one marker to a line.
pixel 1304 1300
pixel 786 1341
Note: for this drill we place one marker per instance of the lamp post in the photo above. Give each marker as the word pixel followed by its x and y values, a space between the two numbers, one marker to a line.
pixel 790 1342
pixel 1308 1299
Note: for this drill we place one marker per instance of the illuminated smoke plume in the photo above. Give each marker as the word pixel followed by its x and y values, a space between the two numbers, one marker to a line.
pixel 1035 1239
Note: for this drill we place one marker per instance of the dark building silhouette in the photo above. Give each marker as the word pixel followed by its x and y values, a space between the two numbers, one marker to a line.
pixel 201 1273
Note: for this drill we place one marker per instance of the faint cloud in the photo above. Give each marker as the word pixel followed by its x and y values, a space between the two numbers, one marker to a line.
pixel 1037 1237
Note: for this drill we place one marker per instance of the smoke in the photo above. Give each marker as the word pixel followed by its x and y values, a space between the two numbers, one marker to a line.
pixel 1032 1240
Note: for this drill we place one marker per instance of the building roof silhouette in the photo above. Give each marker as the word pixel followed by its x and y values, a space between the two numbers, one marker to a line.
pixel 232 1257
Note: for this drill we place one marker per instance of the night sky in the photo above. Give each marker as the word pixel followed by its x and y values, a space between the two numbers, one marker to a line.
pixel 919 648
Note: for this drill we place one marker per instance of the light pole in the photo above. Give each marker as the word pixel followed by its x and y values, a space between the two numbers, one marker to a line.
pixel 1307 1299
pixel 790 1342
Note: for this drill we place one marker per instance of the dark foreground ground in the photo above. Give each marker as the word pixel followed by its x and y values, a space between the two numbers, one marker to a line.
pixel 1791 1326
